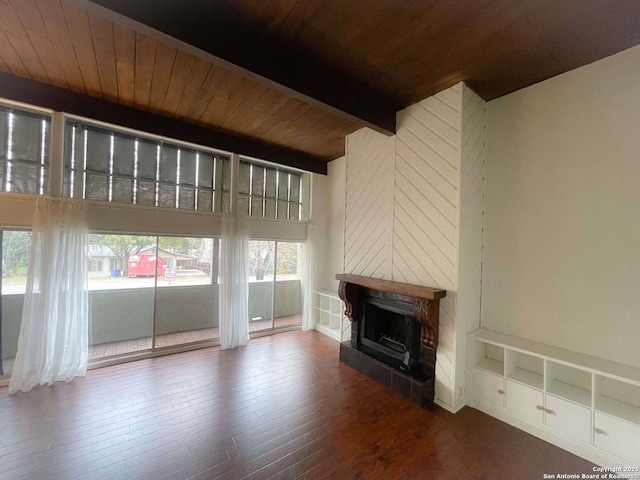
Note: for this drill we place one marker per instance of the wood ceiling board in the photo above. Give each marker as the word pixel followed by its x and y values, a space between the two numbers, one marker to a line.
pixel 146 48
pixel 80 33
pixel 405 51
pixel 180 76
pixel 313 80
pixel 111 61
pixel 12 63
pixel 193 90
pixel 125 51
pixel 56 27
pixel 60 99
pixel 104 45
pixel 215 79
pixel 31 21
pixel 162 69
pixel 249 107
pixel 10 24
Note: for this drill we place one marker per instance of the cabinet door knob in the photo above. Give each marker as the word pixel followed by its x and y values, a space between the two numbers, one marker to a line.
pixel 599 431
pixel 540 407
pixel 549 411
pixel 501 392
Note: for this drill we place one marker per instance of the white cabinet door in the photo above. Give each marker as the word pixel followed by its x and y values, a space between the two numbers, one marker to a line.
pixel 618 437
pixel 488 387
pixel 525 401
pixel 568 419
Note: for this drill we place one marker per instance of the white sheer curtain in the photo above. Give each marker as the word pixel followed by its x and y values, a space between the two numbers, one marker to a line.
pixel 233 297
pixel 54 334
pixel 309 277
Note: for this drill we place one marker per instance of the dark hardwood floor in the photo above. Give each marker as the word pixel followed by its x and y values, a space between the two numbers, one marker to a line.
pixel 283 407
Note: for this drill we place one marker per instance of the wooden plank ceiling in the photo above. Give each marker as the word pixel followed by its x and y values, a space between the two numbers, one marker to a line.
pixel 366 53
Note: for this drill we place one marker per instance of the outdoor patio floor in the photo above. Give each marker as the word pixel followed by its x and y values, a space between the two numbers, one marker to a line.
pixel 124 347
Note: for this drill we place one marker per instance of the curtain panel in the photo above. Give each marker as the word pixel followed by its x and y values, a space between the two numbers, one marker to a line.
pixel 54 334
pixel 233 298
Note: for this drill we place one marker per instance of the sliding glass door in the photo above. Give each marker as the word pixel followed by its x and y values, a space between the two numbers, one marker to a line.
pixel 15 247
pixel 262 255
pixel 275 287
pixel 187 293
pixel 288 285
pixel 122 278
pixel 149 292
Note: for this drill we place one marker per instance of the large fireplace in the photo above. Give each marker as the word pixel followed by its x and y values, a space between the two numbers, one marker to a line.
pixel 394 333
pixel 389 332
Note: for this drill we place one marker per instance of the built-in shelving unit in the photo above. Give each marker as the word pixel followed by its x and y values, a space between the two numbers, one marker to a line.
pixel 329 316
pixel 587 405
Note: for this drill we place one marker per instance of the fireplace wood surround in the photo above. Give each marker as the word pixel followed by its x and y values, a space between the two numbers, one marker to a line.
pixel 354 290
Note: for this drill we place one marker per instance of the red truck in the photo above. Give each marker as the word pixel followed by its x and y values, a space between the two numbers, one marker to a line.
pixel 145 265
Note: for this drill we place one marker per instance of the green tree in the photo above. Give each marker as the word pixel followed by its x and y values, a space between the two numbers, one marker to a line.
pixel 15 253
pixel 260 253
pixel 287 258
pixel 186 246
pixel 122 245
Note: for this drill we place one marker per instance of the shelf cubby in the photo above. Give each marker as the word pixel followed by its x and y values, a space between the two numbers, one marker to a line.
pixel 330 318
pixel 618 399
pixel 569 383
pixel 491 359
pixel 525 369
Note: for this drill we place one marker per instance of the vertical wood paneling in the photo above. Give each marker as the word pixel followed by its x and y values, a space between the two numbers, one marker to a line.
pixel 34 27
pixel 80 32
pixel 125 51
pixel 180 77
pixel 56 26
pixel 193 90
pixel 19 40
pixel 165 59
pixel 103 42
pixel 146 48
pixel 369 203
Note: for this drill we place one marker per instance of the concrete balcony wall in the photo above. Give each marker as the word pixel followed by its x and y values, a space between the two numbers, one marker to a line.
pixel 288 298
pixel 126 314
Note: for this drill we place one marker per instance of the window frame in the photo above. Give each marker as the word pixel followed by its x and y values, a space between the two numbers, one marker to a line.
pixel 43 163
pixel 303 193
pixel 72 174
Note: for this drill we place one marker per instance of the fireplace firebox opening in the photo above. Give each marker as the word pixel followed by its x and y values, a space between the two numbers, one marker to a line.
pixel 389 332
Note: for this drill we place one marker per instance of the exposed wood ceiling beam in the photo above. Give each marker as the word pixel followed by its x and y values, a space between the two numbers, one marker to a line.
pixel 55 98
pixel 307 78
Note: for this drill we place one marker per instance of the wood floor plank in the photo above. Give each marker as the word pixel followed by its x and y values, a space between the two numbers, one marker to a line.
pixel 282 408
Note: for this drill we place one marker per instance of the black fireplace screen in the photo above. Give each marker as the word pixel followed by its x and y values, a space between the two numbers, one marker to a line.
pixel 389 329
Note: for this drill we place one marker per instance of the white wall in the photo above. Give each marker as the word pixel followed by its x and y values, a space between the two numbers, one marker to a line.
pixel 562 228
pixel 334 257
pixel 414 206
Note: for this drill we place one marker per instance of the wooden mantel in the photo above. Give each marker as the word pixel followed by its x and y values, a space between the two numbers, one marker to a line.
pixel 426 303
pixel 406 289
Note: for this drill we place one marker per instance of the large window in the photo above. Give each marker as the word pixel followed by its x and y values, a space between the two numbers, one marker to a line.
pixel 149 291
pixel 24 151
pixel 269 192
pixel 112 166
